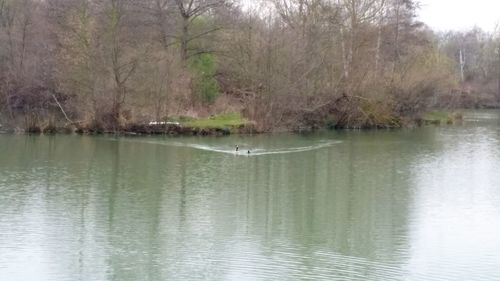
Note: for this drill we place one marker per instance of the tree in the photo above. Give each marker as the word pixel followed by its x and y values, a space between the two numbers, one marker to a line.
pixel 190 11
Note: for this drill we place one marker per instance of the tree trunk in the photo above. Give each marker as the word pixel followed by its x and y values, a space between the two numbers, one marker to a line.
pixel 184 38
pixel 396 36
pixel 462 65
pixel 377 51
pixel 344 53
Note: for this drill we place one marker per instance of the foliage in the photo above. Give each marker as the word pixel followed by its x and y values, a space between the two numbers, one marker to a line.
pixel 206 87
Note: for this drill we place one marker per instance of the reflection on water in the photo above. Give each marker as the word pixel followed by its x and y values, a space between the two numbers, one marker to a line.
pixel 455 215
pixel 386 205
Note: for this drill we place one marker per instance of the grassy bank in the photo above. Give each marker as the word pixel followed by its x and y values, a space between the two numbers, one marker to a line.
pixel 225 120
pixel 441 117
pixel 215 125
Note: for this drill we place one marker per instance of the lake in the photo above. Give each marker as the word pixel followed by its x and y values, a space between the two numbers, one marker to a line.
pixel 413 204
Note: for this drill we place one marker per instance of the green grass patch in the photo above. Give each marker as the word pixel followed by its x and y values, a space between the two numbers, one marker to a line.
pixel 441 117
pixel 226 120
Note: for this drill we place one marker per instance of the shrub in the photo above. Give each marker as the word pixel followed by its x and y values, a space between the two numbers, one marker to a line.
pixel 205 86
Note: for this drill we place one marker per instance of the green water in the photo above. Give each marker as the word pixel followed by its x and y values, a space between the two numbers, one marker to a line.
pixel 419 204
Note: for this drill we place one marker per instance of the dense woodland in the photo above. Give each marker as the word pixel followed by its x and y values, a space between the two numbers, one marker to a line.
pixel 284 64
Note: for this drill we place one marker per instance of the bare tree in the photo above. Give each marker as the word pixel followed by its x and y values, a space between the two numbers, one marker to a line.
pixel 189 11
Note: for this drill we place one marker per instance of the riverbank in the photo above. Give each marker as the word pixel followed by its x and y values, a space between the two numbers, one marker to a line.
pixel 217 125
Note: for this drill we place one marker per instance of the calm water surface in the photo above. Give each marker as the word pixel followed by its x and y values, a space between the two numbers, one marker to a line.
pixel 419 204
